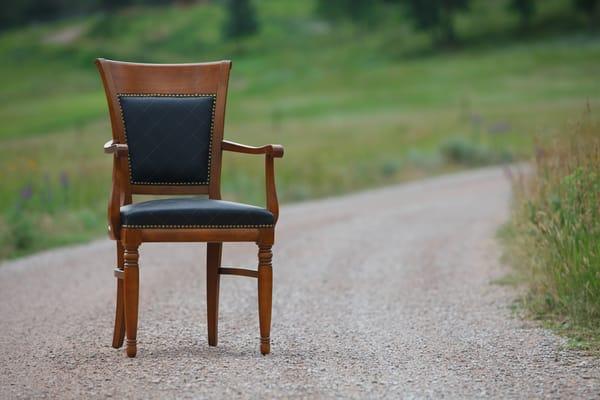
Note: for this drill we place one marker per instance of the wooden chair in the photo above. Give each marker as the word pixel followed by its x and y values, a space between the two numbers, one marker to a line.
pixel 167 124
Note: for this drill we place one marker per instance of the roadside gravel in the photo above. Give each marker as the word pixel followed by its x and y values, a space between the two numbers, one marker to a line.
pixel 382 294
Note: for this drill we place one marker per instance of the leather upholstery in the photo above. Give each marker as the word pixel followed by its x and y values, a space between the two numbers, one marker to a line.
pixel 169 138
pixel 194 212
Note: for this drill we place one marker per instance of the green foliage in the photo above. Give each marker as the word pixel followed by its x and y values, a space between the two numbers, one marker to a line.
pixel 111 5
pixel 526 10
pixel 49 212
pixel 587 6
pixel 14 12
pixel 467 152
pixel 437 17
pixel 591 8
pixel 241 19
pixel 19 12
pixel 556 232
pixel 362 11
pixel 21 232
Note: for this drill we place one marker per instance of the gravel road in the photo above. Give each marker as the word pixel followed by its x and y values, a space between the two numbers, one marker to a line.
pixel 382 294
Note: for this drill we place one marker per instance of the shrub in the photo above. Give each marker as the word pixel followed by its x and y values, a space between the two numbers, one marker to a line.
pixel 21 230
pixel 555 240
pixel 526 10
pixel 437 17
pixel 241 19
pixel 466 152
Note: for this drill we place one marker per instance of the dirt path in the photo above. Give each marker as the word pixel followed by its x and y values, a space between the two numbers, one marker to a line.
pixel 381 294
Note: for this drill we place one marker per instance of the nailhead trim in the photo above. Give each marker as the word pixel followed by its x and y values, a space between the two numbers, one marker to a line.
pixel 212 126
pixel 198 226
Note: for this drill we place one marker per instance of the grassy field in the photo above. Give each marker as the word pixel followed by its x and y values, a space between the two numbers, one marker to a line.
pixel 355 107
pixel 553 238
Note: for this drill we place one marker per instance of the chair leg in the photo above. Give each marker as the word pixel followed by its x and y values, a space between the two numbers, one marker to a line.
pixel 265 288
pixel 213 263
pixel 119 331
pixel 131 289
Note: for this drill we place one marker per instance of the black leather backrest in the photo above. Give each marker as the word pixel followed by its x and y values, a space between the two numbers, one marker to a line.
pixel 169 137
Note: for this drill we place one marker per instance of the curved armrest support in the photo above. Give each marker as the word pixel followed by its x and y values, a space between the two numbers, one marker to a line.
pixel 271 151
pixel 275 150
pixel 117 149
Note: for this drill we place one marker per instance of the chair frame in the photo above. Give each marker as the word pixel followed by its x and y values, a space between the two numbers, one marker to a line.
pixel 181 79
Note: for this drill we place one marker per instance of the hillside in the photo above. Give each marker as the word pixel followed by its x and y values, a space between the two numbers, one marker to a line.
pixel 355 106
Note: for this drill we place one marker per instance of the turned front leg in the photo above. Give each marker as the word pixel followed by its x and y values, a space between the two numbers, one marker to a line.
pixel 213 263
pixel 119 330
pixel 265 288
pixel 131 291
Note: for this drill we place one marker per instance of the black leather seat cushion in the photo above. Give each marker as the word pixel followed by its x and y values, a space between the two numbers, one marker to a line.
pixel 194 212
pixel 169 138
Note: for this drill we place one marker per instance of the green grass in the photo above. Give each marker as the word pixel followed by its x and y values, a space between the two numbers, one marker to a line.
pixel 553 238
pixel 355 107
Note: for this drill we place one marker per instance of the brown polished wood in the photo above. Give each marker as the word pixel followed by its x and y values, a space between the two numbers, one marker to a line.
pixel 131 285
pixel 238 271
pixel 119 331
pixel 213 262
pixel 131 297
pixel 274 150
pixel 133 78
pixel 265 288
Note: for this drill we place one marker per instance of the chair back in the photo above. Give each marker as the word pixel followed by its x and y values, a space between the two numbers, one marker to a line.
pixel 171 117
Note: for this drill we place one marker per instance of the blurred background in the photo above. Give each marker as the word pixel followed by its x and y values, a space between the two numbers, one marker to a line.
pixel 361 93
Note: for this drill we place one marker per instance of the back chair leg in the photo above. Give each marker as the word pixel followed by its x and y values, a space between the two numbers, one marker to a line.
pixel 131 289
pixel 119 331
pixel 265 288
pixel 213 263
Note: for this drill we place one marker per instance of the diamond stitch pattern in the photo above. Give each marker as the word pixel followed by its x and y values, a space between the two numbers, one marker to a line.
pixel 169 138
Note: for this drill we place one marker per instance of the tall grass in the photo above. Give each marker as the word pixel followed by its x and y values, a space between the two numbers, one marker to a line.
pixel 555 240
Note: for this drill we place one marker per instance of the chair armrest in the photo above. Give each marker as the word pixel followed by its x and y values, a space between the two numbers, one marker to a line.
pixel 117 149
pixel 271 151
pixel 274 150
pixel 118 195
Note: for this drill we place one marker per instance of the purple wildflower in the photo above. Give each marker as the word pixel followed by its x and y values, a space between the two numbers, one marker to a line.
pixel 26 192
pixel 64 179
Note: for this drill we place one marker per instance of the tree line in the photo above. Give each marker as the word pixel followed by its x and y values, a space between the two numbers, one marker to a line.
pixel 18 12
pixel 437 16
pixel 433 16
